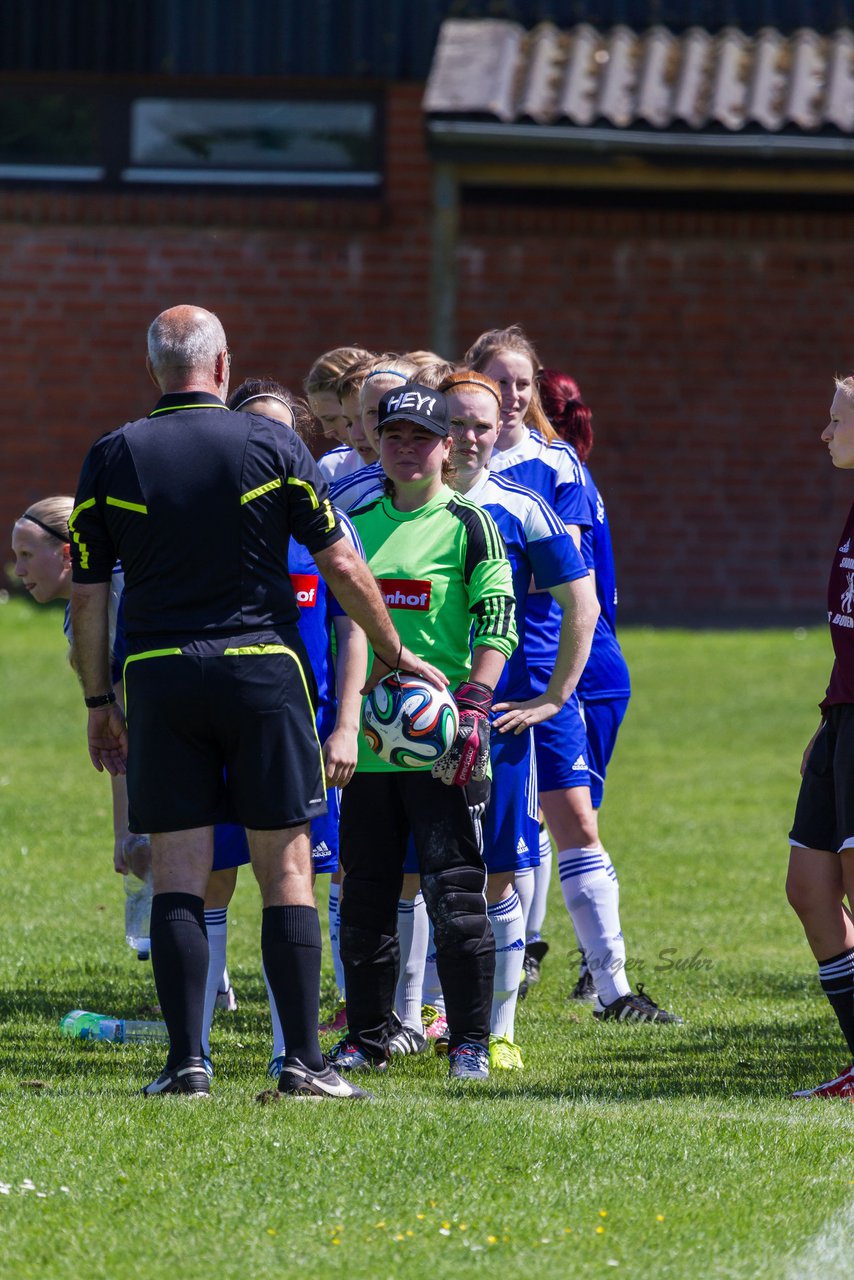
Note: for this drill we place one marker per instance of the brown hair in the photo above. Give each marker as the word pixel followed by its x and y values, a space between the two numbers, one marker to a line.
pixel 327 369
pixel 354 375
pixel 304 420
pixel 434 373
pixel 491 344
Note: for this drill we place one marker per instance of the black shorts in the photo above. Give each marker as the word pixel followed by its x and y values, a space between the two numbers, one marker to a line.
pixel 824 815
pixel 222 739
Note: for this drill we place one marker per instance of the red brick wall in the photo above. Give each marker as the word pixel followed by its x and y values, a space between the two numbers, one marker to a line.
pixel 706 346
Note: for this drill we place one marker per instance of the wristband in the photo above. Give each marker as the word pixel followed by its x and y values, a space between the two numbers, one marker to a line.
pixel 100 700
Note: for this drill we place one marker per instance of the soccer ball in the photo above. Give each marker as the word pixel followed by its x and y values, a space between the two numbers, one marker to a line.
pixel 408 722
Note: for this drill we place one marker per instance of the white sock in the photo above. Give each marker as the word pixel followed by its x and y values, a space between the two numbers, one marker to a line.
pixel 508 926
pixel 431 992
pixel 278 1034
pixel 335 935
pixel 525 890
pixel 592 897
pixel 216 923
pixel 542 878
pixel 413 933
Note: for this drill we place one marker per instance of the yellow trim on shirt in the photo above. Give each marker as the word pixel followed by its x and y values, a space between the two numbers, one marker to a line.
pixel 263 488
pixel 128 506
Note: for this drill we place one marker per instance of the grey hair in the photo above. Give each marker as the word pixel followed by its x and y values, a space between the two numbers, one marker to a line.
pixel 185 338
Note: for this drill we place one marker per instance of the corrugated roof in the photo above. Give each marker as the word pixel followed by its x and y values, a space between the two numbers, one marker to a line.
pixel 624 79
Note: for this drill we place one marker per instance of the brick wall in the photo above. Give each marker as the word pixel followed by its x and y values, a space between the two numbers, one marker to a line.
pixel 706 345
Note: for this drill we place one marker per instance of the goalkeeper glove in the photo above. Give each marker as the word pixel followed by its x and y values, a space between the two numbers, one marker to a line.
pixel 468 757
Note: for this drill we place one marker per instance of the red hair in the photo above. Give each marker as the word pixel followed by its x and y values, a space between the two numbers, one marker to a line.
pixel 566 411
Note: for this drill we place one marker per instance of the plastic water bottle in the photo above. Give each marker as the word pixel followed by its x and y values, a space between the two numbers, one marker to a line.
pixel 138 894
pixel 96 1026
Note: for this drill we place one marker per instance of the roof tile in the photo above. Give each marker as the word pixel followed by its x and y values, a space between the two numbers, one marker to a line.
pixel 620 78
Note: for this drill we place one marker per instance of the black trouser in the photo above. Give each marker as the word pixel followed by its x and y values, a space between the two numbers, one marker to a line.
pixel 378 812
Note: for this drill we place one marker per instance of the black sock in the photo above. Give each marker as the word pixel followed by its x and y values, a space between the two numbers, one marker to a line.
pixel 837 981
pixel 179 958
pixel 290 947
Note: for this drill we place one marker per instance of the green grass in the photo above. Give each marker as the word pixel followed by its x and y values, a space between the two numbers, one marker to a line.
pixel 658 1152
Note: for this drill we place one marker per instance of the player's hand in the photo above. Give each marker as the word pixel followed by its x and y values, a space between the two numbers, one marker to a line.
pixel 108 740
pixel 411 664
pixel 468 757
pixel 340 753
pixel 519 716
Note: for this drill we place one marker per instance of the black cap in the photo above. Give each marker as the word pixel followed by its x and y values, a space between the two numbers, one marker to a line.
pixel 413 402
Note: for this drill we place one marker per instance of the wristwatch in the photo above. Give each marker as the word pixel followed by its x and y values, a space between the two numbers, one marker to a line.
pixel 100 700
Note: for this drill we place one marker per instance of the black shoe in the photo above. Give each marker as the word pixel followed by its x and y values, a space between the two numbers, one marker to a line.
pixel 534 955
pixel 405 1040
pixel 584 989
pixel 297 1081
pixel 189 1077
pixel 635 1007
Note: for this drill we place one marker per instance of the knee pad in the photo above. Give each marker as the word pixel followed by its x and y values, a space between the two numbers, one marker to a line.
pixel 457 906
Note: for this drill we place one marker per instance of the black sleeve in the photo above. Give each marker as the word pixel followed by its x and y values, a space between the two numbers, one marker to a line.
pixel 93 555
pixel 312 517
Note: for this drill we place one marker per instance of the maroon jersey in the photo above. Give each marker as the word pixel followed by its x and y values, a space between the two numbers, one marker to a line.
pixel 840 616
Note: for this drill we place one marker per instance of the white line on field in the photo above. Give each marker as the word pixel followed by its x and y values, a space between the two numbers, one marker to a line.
pixel 827 1256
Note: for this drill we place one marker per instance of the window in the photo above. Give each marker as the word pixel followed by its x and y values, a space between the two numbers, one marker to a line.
pixel 220 140
pixel 115 138
pixel 50 136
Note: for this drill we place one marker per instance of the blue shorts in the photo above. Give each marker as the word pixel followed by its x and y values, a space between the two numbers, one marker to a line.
pixel 602 720
pixel 561 746
pixel 511 840
pixel 324 836
pixel 231 848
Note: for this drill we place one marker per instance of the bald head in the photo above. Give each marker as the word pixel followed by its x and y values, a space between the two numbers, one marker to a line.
pixel 188 351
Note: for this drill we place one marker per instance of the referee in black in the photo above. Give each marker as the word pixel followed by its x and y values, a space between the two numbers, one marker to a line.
pixel 199 504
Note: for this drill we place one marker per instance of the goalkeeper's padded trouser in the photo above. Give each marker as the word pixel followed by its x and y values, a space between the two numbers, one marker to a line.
pixel 378 813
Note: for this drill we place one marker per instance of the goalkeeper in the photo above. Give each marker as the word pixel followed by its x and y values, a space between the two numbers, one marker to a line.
pixel 443 569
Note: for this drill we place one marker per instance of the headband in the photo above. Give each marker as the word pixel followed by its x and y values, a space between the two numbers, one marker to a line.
pixel 63 537
pixel 269 395
pixel 472 382
pixel 394 373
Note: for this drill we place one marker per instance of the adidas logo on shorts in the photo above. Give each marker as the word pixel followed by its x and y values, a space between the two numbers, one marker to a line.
pixel 320 850
pixel 580 763
pixel 521 847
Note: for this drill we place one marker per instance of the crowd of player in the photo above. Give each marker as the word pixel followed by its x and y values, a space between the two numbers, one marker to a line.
pixel 500 460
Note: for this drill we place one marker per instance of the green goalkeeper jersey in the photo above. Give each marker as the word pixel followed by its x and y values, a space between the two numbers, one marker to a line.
pixel 446 580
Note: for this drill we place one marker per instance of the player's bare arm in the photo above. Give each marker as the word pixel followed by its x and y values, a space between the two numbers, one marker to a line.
pixel 580 608
pixel 106 731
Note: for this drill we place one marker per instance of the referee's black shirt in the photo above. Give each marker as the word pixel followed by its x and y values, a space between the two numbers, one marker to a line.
pixel 199 504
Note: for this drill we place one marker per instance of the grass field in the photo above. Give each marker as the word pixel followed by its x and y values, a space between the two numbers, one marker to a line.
pixel 651 1152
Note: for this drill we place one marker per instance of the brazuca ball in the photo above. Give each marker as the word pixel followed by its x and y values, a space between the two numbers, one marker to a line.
pixel 408 722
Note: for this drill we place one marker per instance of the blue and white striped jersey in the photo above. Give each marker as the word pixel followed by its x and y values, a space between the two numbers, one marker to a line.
pixel 349 492
pixel 339 462
pixel 538 547
pixel 554 472
pixel 606 674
